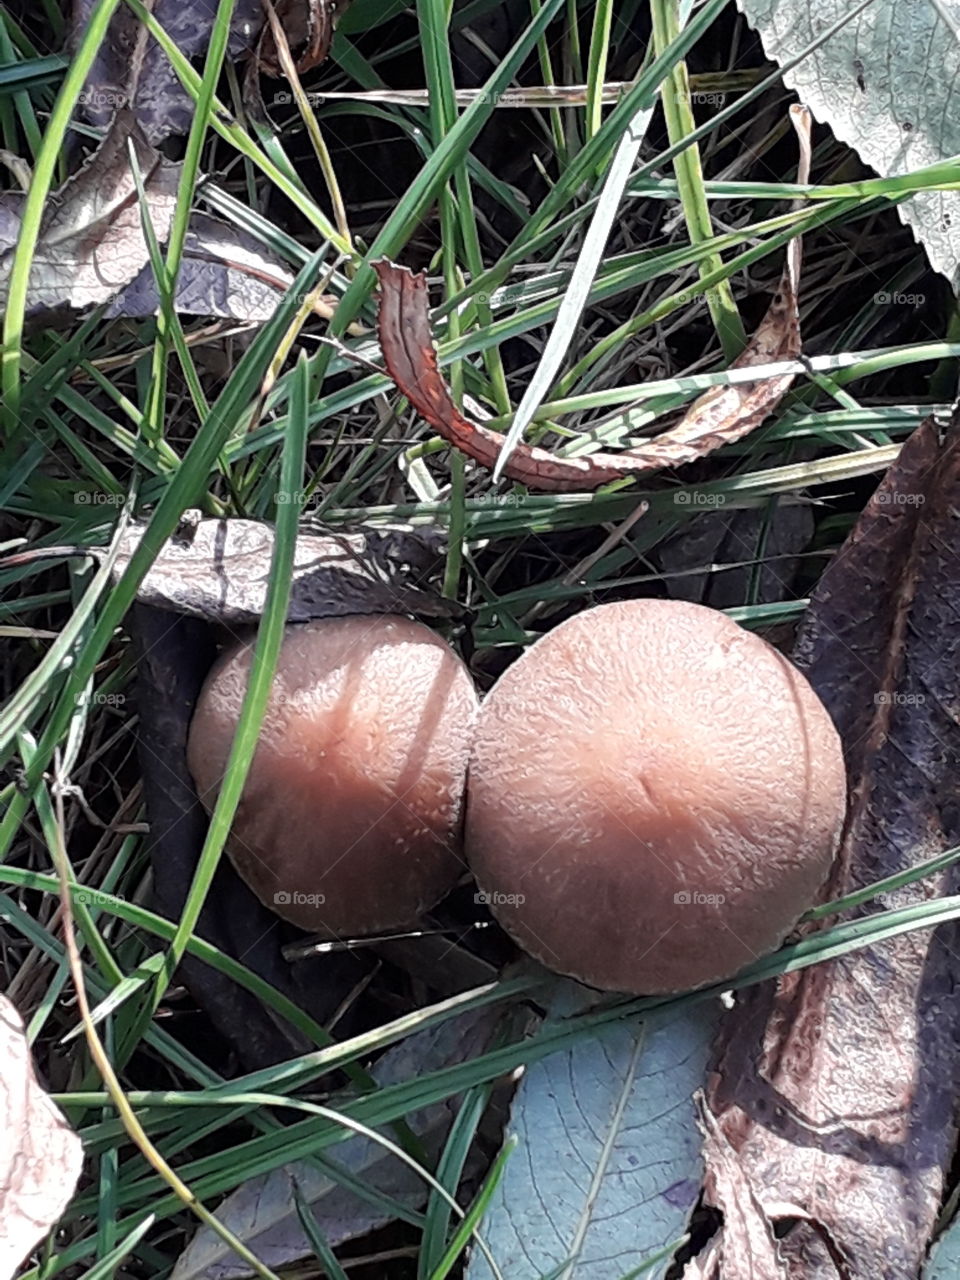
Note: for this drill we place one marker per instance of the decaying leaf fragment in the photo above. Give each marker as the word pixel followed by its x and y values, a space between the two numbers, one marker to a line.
pixel 40 1155
pixel 92 250
pixel 743 1220
pixel 308 27
pixel 836 1089
pixel 220 569
pixel 719 416
pixel 132 71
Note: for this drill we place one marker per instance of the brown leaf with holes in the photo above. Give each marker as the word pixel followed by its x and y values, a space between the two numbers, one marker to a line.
pixel 836 1088
pixel 719 416
pixel 40 1155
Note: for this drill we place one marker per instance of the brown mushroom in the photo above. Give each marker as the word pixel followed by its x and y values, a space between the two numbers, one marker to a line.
pixel 654 798
pixel 351 815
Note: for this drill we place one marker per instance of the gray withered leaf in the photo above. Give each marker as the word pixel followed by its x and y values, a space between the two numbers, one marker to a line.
pixel 608 1167
pixel 92 250
pixel 262 1211
pixel 219 570
pixel 884 76
pixel 11 205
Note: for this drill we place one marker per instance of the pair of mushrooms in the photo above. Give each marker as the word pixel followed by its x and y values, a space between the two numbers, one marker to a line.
pixel 653 795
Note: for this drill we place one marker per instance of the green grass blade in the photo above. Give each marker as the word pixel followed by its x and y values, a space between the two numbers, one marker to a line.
pixel 264 661
pixel 43 174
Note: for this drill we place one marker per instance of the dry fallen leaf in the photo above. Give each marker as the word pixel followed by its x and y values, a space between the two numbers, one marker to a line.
pixel 40 1155
pixel 91 241
pixel 719 416
pixel 836 1089
pixel 224 272
pixel 219 570
pixel 743 1220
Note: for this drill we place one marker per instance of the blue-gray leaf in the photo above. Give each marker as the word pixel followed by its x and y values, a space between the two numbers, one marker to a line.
pixel 608 1164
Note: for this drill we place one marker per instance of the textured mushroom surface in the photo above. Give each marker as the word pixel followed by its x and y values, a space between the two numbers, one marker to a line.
pixel 655 796
pixel 351 815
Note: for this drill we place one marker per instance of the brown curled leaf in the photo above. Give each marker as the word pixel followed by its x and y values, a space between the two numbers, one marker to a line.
pixel 719 416
pixel 411 360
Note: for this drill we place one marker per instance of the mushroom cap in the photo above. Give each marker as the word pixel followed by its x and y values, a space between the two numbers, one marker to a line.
pixel 655 796
pixel 351 816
